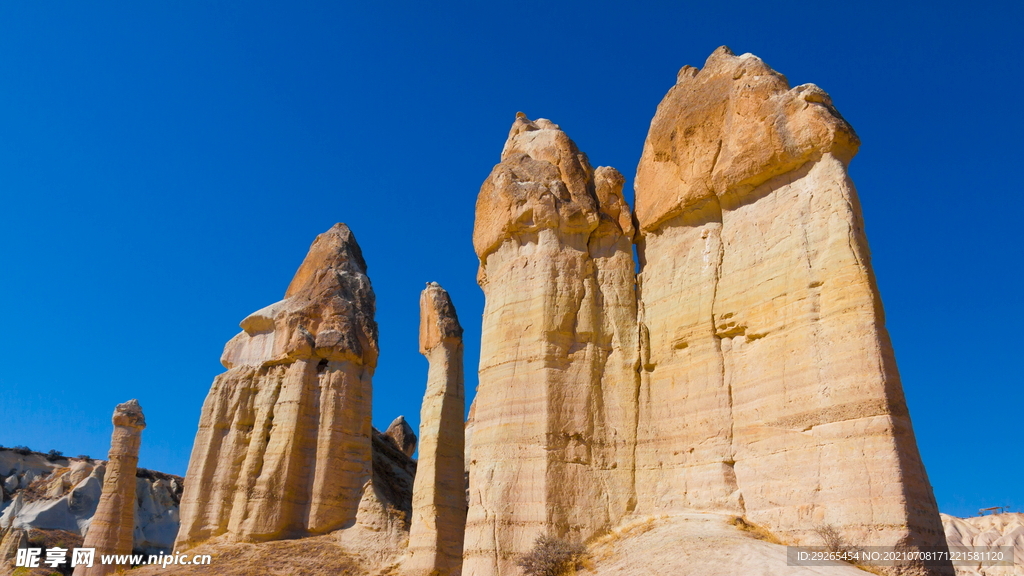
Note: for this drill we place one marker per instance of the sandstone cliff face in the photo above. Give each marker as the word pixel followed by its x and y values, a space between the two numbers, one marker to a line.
pixel 555 411
pixel 439 495
pixel 769 385
pixel 284 442
pixel 112 527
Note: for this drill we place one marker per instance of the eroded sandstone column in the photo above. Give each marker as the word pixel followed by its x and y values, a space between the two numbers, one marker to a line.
pixel 113 524
pixel 439 492
pixel 769 385
pixel 554 416
pixel 284 446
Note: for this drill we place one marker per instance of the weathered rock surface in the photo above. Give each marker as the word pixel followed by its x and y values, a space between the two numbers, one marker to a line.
pixel 112 528
pixel 439 494
pixel 769 385
pixel 284 442
pixel 984 532
pixel 402 434
pixel 695 545
pixel 555 411
pixel 65 492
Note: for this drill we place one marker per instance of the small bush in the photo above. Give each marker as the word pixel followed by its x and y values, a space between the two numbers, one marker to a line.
pixel 54 455
pixel 83 457
pixel 832 539
pixel 552 556
pixel 23 450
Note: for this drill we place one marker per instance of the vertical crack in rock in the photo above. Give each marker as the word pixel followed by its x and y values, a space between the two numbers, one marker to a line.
pixel 795 368
pixel 284 442
pixel 113 524
pixel 439 492
pixel 554 417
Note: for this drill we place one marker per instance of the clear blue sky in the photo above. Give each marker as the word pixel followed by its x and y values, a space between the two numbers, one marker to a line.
pixel 165 165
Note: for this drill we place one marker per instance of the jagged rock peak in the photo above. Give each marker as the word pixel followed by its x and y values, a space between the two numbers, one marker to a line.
pixel 335 249
pixel 403 436
pixel 327 313
pixel 129 414
pixel 438 319
pixel 545 182
pixel 728 127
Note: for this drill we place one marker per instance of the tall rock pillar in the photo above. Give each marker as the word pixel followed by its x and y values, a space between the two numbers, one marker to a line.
pixel 554 415
pixel 769 384
pixel 284 446
pixel 113 524
pixel 439 492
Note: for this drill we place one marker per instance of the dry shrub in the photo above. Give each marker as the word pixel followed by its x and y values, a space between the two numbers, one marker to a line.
pixel 759 532
pixel 832 539
pixel 552 556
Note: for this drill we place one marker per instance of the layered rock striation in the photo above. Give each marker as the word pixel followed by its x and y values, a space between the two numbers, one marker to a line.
pixel 769 385
pixel 113 524
pixel 284 442
pixel 439 493
pixel 555 412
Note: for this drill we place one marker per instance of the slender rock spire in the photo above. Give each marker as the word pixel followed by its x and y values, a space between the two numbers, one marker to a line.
pixel 439 492
pixel 113 525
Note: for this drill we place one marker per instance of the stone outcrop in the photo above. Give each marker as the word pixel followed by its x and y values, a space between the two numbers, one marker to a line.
pixel 982 533
pixel 284 442
pixel 402 434
pixel 439 494
pixel 555 411
pixel 769 385
pixel 11 539
pixel 113 524
pixel 64 493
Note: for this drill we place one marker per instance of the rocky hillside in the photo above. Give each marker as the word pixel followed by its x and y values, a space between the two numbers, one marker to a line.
pixel 51 492
pixel 984 531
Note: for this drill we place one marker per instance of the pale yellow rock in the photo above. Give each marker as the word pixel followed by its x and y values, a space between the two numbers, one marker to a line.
pixel 284 442
pixel 694 545
pixel 555 412
pixel 769 385
pixel 439 492
pixel 110 531
pixel 982 533
pixel 12 539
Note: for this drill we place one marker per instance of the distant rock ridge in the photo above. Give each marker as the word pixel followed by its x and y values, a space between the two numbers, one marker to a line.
pixel 59 493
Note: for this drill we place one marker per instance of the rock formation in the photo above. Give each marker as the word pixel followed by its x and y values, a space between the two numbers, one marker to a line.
pixel 66 491
pixel 284 442
pixel 402 435
pixel 439 494
pixel 113 525
pixel 555 411
pixel 984 533
pixel 769 385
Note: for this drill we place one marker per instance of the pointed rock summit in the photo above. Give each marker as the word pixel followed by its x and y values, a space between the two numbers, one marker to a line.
pixel 439 494
pixel 113 524
pixel 284 442
pixel 555 412
pixel 401 433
